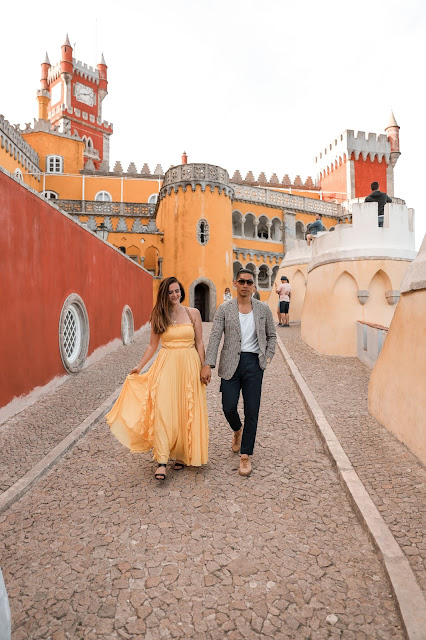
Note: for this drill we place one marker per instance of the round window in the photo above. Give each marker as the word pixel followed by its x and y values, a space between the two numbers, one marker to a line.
pixel 127 325
pixel 73 333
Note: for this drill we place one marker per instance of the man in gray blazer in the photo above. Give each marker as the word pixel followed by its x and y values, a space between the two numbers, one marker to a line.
pixel 249 345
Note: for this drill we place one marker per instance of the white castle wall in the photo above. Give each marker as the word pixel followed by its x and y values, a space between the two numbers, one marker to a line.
pixel 365 239
pixel 355 275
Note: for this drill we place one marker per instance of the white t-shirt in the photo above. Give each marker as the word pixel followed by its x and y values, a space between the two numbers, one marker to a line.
pixel 249 340
pixel 283 291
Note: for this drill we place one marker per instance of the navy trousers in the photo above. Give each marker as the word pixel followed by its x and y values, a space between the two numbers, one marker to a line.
pixel 248 379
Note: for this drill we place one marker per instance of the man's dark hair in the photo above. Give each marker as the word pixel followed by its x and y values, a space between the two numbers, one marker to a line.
pixel 320 215
pixel 240 271
pixel 374 186
pixel 284 278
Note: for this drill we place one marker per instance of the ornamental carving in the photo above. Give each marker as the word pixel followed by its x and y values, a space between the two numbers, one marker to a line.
pixel 191 175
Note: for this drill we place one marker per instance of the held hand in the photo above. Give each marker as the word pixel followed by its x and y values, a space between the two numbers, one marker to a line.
pixel 206 374
pixel 136 369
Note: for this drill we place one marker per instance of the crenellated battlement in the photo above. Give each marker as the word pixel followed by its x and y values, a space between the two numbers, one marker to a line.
pixel 285 183
pixel 365 240
pixel 12 141
pixel 85 71
pixel 80 69
pixel 370 145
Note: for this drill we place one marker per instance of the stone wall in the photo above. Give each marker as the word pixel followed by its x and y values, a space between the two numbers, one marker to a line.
pixel 396 394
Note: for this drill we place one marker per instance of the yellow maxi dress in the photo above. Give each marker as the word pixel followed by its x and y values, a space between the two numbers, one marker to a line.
pixel 165 409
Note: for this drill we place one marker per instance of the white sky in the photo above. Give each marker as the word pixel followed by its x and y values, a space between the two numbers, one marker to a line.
pixel 247 85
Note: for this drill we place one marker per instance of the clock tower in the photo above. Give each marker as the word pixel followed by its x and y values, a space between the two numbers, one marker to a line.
pixel 71 98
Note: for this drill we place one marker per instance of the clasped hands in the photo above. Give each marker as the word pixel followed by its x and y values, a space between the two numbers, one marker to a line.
pixel 206 374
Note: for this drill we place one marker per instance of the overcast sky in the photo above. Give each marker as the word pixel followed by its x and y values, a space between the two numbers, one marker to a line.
pixel 260 86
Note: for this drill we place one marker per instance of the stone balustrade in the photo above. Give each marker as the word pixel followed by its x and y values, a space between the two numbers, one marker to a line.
pixel 279 199
pixel 94 207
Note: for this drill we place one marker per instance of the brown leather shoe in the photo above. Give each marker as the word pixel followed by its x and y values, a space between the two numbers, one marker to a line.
pixel 245 466
pixel 236 441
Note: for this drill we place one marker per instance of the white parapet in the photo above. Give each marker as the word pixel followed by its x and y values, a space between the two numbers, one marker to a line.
pixel 298 253
pixel 365 240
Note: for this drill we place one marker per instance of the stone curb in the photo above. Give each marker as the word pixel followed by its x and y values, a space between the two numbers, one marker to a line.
pixel 409 596
pixel 24 484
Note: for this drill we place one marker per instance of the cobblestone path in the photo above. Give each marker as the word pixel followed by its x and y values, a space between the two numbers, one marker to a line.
pixel 392 475
pixel 31 434
pixel 98 550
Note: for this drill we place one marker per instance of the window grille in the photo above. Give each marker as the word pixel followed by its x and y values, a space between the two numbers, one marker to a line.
pixel 73 333
pixel 203 232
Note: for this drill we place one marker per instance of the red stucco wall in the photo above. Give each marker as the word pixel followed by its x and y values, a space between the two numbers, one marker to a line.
pixel 366 172
pixel 334 185
pixel 44 257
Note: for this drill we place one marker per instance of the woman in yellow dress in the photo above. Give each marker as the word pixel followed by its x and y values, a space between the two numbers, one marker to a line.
pixel 165 409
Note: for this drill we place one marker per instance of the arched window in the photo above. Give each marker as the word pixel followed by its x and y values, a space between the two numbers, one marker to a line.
pixel 103 196
pixel 203 232
pixel 236 267
pixel 263 277
pixel 237 224
pixel 54 164
pixel 249 228
pixel 153 198
pixel 50 195
pixel 262 228
pixel 300 230
pixel 276 230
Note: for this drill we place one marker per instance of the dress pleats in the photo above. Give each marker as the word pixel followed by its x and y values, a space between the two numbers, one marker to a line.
pixel 165 409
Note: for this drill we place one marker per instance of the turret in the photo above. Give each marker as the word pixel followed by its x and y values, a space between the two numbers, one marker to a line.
pixel 184 158
pixel 45 66
pixel 66 57
pixel 103 83
pixel 67 70
pixel 43 94
pixel 392 132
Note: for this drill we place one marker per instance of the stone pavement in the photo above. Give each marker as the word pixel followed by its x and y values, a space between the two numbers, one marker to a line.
pixel 31 434
pixel 99 550
pixel 394 478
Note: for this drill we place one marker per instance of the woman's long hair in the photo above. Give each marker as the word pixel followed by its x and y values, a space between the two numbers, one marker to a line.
pixel 161 313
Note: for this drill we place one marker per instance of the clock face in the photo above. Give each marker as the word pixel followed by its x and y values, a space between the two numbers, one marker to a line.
pixel 84 94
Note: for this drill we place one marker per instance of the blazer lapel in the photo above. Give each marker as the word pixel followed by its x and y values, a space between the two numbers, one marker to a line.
pixel 234 315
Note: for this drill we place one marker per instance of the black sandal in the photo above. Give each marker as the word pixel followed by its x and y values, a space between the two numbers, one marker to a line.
pixel 178 466
pixel 160 476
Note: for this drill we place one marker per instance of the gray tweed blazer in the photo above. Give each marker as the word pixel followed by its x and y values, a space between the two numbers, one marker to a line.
pixel 227 322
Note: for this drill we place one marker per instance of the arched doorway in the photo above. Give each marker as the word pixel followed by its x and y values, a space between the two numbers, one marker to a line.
pixel 202 300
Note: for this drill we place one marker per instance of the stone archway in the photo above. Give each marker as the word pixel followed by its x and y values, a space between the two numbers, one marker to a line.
pixel 202 296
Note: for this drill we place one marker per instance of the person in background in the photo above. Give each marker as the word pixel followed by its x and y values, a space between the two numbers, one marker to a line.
pixel 227 295
pixel 284 293
pixel 314 227
pixel 381 198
